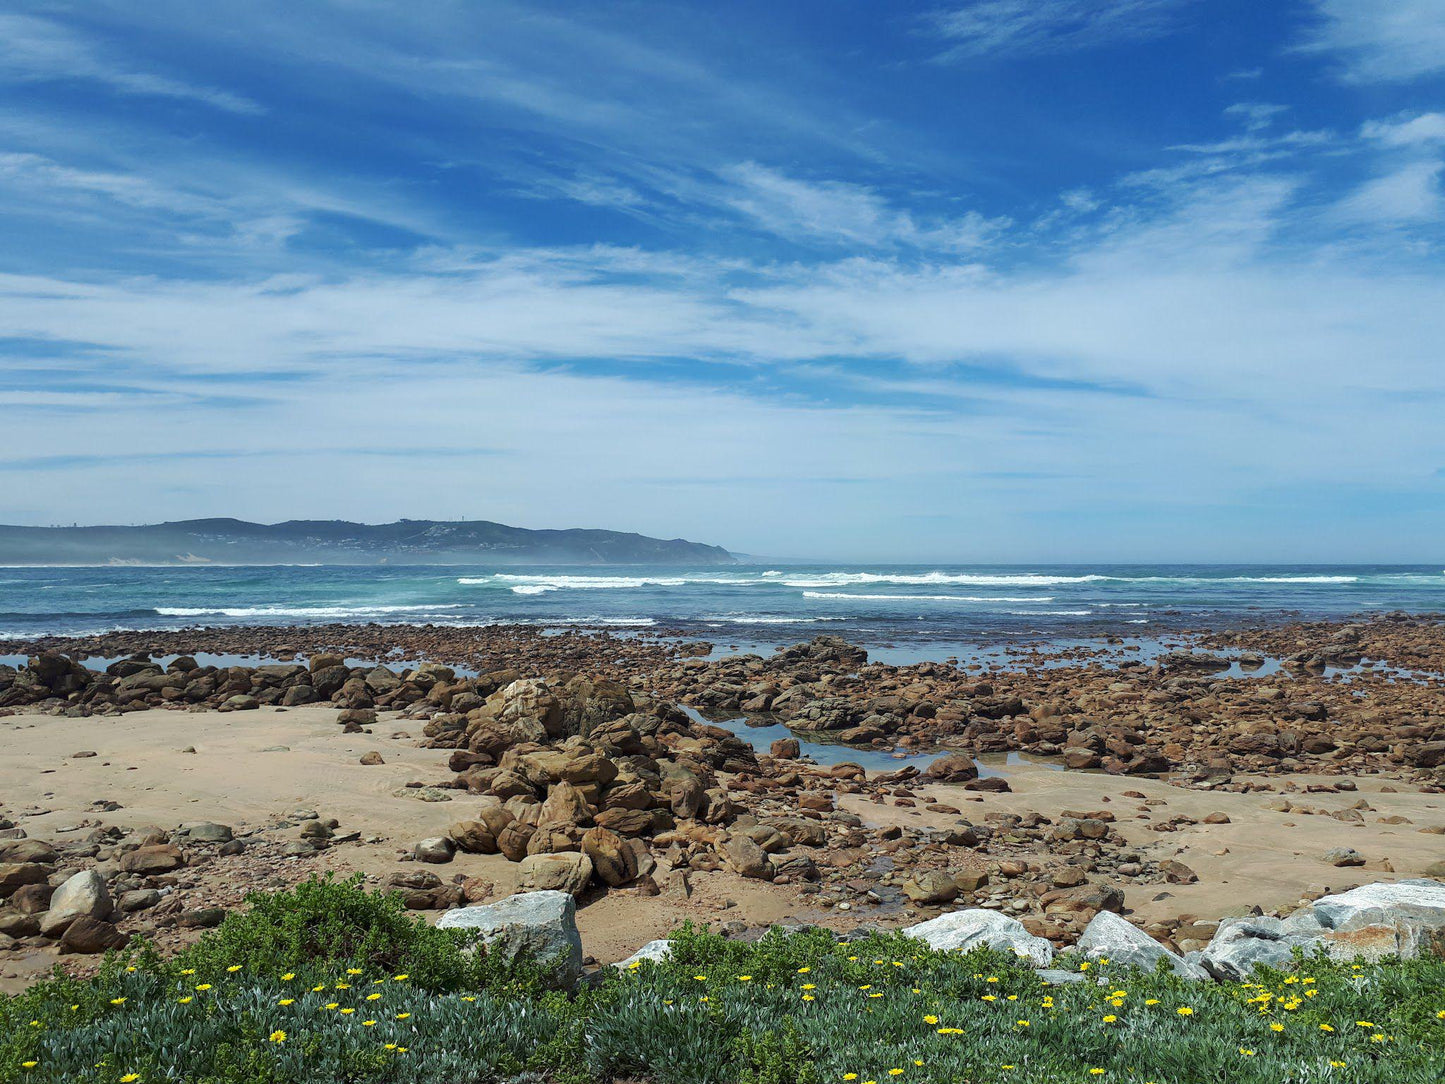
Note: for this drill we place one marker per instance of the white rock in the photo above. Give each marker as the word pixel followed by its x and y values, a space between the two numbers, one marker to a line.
pixel 541 925
pixel 83 895
pixel 656 951
pixel 975 926
pixel 1110 937
pixel 1371 922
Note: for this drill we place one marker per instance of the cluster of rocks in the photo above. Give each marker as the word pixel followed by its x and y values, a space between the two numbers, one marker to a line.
pixel 1405 920
pixel 1176 715
pixel 477 648
pixel 580 781
pixel 95 891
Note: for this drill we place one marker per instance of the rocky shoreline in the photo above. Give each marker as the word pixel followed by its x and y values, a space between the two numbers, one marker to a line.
pixel 572 764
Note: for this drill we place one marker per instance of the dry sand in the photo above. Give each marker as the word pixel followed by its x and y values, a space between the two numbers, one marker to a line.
pixel 170 768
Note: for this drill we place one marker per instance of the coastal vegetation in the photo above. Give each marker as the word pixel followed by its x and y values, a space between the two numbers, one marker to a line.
pixel 329 983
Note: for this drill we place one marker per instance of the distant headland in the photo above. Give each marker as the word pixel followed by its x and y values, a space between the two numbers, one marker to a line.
pixel 407 541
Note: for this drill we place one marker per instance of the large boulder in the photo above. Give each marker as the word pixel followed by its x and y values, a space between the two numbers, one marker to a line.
pixel 1404 919
pixel 83 895
pixel 1119 941
pixel 568 871
pixel 539 925
pixel 153 858
pixel 614 861
pixel 92 935
pixel 951 768
pixel 15 874
pixel 964 930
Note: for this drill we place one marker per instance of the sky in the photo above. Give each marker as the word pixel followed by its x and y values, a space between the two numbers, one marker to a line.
pixel 973 280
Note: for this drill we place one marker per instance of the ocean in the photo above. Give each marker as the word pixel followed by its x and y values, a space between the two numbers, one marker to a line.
pixel 756 606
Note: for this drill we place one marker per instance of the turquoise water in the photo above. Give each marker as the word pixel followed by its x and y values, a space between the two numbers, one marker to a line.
pixel 762 605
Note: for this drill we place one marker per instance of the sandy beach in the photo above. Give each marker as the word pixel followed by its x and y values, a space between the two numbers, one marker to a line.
pixel 254 770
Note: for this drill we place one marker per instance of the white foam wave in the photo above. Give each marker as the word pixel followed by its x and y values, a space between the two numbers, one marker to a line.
pixel 292 611
pixel 924 579
pixel 930 598
pixel 1048 613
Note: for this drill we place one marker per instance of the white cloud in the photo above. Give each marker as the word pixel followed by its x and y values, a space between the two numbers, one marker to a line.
pixel 39 50
pixel 1256 116
pixel 1422 130
pixel 996 28
pixel 1409 194
pixel 1381 40
pixel 839 213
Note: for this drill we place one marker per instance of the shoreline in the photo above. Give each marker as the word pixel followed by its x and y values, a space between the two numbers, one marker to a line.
pixel 1153 789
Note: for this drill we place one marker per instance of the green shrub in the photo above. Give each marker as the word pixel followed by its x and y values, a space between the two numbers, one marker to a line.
pixel 266 1001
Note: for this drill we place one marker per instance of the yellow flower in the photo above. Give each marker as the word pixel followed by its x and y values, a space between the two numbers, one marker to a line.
pixel 204 986
pixel 810 986
pixel 850 1076
pixel 988 997
pixel 29 1064
pixel 318 988
pixel 700 978
pixel 343 986
pixel 400 978
pixel 373 997
pixel 1276 1026
pixel 804 970
pixel 950 1031
pixel 368 1023
pixel 745 978
pixel 234 968
pixel 390 1046
pixel 333 1005
pixel 1246 1053
pixel 809 997
pixel 353 971
pixel 1023 1023
pixel 278 1036
pixel 347 1012
pixel 189 971
pixel 287 1001
pixel 468 997
pixel 1096 1072
pixel 1110 1018
pixel 1151 1001
pixel 1326 1027
pixel 1184 1010
pixel 1363 1024
pixel 1377 1038
pixel 930 1019
pixel 186 1000
pixel 129 1078
pixel 288 976
pixel 117 1001
pixel 402 1015
pixel 895 1072
pixel 1337 1065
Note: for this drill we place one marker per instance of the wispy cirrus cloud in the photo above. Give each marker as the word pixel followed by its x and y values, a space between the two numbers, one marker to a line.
pixel 1005 28
pixel 842 213
pixel 34 49
pixel 1380 41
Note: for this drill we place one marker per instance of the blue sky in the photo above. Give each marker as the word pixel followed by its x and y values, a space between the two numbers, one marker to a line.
pixel 995 280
